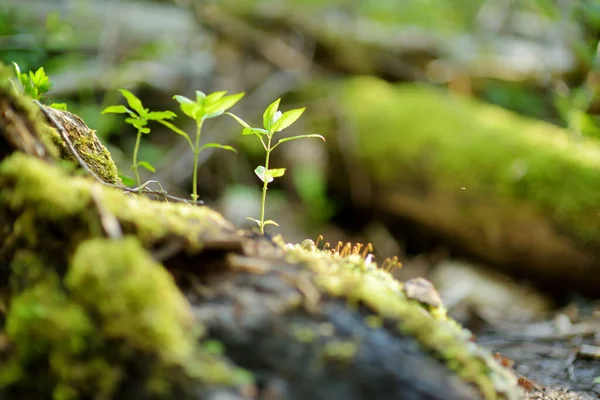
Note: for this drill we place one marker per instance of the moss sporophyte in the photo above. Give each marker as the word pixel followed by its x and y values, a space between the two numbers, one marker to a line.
pixel 273 121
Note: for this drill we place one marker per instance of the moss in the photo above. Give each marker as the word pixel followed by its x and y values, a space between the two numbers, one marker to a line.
pixel 95 154
pixel 48 190
pixel 360 281
pixel 8 89
pixel 140 301
pixel 405 132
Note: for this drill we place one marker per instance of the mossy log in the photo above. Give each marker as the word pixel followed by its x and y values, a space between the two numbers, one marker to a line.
pixel 108 294
pixel 521 194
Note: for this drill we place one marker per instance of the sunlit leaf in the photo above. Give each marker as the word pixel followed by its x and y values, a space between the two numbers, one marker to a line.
pixel 200 97
pixel 223 104
pixel 190 109
pixel 211 98
pixel 17 70
pixel 117 110
pixel 146 165
pixel 270 222
pixel 255 220
pixel 218 146
pixel 212 115
pixel 182 99
pixel 313 135
pixel 160 115
pixel 269 114
pixel 255 131
pixel 145 130
pixel 238 119
pixel 287 119
pixel 133 101
pixel 59 106
pixel 275 173
pixel 177 131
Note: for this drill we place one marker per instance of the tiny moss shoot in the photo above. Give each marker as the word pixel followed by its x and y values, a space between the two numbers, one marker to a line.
pixel 138 118
pixel 205 107
pixel 273 121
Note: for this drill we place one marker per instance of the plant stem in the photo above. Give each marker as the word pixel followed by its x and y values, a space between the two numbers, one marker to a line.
pixel 264 193
pixel 196 154
pixel 135 160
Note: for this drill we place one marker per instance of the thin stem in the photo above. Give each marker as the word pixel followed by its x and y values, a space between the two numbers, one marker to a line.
pixel 196 154
pixel 265 183
pixel 135 160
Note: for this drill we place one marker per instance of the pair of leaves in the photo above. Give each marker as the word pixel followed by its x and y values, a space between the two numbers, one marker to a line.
pixel 206 107
pixel 268 174
pixel 140 116
pixel 35 84
pixel 267 222
pixel 276 121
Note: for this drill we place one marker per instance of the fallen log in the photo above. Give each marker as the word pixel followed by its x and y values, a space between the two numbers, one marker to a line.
pixel 520 194
pixel 108 294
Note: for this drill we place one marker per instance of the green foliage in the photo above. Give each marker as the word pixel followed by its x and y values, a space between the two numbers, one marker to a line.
pixel 138 118
pixel 273 121
pixel 35 84
pixel 205 107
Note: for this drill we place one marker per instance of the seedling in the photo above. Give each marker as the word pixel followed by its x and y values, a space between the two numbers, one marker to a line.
pixel 273 121
pixel 205 107
pixel 35 84
pixel 138 118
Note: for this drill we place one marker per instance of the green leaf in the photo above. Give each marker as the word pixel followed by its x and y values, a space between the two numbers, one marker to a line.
pixel 146 165
pixel 275 173
pixel 133 101
pixel 200 97
pixel 260 172
pixel 212 115
pixel 211 98
pixel 313 135
pixel 270 222
pixel 17 70
pixel 255 131
pixel 59 106
pixel 160 115
pixel 218 146
pixel 177 131
pixel 182 99
pixel 287 119
pixel 269 114
pixel 223 104
pixel 255 220
pixel 117 110
pixel 127 181
pixel 191 109
pixel 238 119
pixel 145 130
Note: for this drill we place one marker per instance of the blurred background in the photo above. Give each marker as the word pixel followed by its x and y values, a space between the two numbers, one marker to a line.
pixel 536 58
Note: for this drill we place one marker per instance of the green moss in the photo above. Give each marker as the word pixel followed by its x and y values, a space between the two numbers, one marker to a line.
pixel 8 88
pixel 53 194
pixel 140 302
pixel 410 132
pixel 360 281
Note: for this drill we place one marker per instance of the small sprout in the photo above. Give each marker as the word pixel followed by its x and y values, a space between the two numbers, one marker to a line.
pixel 273 121
pixel 138 118
pixel 35 84
pixel 205 107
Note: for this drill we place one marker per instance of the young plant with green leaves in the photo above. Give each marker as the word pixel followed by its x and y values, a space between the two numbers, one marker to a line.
pixel 273 121
pixel 138 118
pixel 205 107
pixel 36 84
